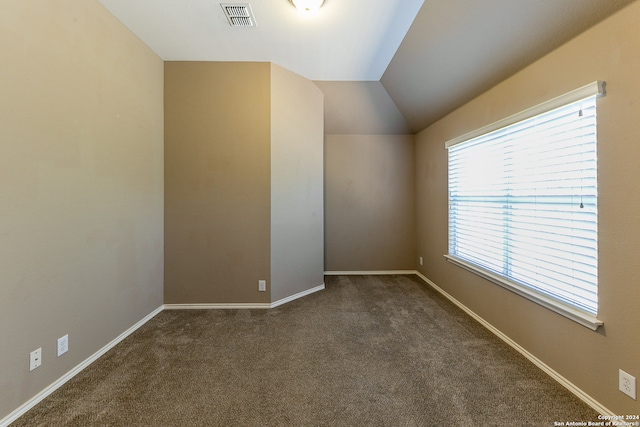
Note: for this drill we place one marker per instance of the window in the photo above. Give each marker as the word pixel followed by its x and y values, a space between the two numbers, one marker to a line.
pixel 523 204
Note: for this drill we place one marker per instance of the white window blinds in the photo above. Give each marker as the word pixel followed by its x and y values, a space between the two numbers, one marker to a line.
pixel 523 207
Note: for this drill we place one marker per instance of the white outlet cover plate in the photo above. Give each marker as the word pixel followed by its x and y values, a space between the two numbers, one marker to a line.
pixel 35 359
pixel 627 384
pixel 63 345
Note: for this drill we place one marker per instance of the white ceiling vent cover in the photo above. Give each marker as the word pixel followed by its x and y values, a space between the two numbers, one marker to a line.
pixel 239 14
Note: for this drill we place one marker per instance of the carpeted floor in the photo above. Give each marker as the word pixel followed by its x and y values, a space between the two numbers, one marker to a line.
pixel 367 351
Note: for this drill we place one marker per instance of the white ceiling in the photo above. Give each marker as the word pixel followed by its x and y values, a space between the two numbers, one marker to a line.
pixel 344 40
pixel 430 56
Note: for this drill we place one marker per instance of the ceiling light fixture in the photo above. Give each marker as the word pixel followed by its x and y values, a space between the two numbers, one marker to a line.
pixel 307 5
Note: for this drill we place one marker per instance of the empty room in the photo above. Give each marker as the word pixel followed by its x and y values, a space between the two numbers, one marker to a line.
pixel 321 212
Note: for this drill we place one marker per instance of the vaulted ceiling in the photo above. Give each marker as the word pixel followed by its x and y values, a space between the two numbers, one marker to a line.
pixel 431 56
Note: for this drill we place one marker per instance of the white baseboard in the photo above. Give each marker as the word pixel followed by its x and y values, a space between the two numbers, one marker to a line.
pixel 368 273
pixel 218 306
pixel 231 306
pixel 21 410
pixel 539 363
pixel 296 296
pixel 62 380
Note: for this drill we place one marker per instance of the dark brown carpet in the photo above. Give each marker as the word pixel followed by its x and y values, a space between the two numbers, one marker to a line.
pixel 367 351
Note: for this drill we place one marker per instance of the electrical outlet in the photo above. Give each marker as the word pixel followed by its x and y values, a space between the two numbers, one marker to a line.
pixel 421 261
pixel 35 359
pixel 627 384
pixel 63 345
pixel 262 285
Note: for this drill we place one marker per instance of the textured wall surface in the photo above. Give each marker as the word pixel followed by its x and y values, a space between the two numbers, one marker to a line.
pixel 297 217
pixel 369 203
pixel 81 187
pixel 369 184
pixel 217 181
pixel 590 360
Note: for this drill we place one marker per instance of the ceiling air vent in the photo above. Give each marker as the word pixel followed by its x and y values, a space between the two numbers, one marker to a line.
pixel 239 14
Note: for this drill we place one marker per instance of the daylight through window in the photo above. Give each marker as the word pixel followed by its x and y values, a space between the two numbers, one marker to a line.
pixel 523 204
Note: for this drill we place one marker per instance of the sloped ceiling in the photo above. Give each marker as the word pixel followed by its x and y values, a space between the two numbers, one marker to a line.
pixel 360 108
pixel 431 56
pixel 457 49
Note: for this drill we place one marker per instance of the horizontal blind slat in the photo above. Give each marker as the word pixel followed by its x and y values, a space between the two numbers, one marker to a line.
pixel 523 203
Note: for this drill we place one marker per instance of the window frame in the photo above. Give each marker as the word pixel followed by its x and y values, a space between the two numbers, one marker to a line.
pixel 584 318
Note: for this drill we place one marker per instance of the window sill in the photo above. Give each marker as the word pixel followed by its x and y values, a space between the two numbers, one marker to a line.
pixel 571 313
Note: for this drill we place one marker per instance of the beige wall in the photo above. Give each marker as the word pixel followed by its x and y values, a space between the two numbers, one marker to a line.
pixel 589 359
pixel 369 185
pixel 369 203
pixel 297 225
pixel 360 108
pixel 81 183
pixel 81 187
pixel 217 181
